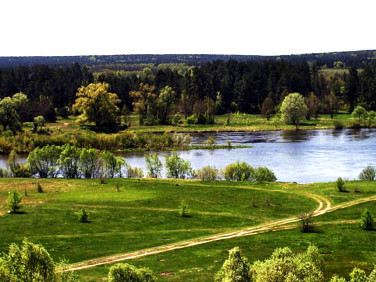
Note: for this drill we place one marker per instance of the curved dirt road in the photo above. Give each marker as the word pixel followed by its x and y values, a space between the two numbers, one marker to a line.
pixel 325 206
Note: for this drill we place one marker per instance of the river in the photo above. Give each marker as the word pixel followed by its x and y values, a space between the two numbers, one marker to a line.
pixel 301 156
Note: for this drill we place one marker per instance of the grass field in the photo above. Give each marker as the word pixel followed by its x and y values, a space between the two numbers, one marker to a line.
pixel 145 214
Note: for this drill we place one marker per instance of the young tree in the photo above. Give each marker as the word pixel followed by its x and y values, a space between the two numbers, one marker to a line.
pixel 366 220
pixel 267 108
pixel 165 103
pixel 306 222
pixel 360 113
pixel 239 171
pixel 111 165
pixel 43 161
pixel 208 173
pixel 125 272
pixel 98 105
pixel 68 161
pixel 153 166
pixel 293 109
pixel 38 121
pixel 83 216
pixel 313 104
pixel 265 174
pixel 235 268
pixel 358 275
pixel 143 101
pixel 367 174
pixel 176 167
pixel 89 163
pixel 9 118
pixel 340 185
pixel 14 201
pixel 330 104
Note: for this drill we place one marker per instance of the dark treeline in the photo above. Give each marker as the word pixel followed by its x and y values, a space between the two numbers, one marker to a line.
pixel 355 58
pixel 227 86
pixel 46 87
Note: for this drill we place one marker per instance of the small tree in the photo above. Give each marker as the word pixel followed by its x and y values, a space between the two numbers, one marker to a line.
pixel 366 220
pixel 239 171
pixel 38 121
pixel 43 161
pixel 210 141
pixel 111 165
pixel 306 222
pixel 183 209
pixel 267 108
pixel 360 114
pixel 14 201
pixel 313 104
pixel 208 173
pixel 235 268
pixel 340 185
pixel 367 174
pixel 89 163
pixel 83 216
pixel 39 188
pixel 265 174
pixel 125 272
pixel 134 172
pixel 176 167
pixel 293 109
pixel 358 275
pixel 68 161
pixel 153 166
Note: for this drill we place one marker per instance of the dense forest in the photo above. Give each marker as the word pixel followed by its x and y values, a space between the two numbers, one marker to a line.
pixel 98 62
pixel 218 86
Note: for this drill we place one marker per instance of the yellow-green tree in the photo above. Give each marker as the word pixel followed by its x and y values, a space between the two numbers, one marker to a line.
pixel 145 102
pixel 97 105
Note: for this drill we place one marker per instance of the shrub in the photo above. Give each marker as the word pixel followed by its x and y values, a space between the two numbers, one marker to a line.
pixel 14 201
pixel 265 174
pixel 134 172
pixel 111 165
pixel 43 161
pixel 68 161
pixel 306 222
pixel 176 167
pixel 367 174
pixel 340 185
pixel 39 188
pixel 239 172
pixel 28 262
pixel 366 220
pixel 210 141
pixel 358 275
pixel 208 173
pixel 125 272
pixel 89 163
pixel 83 216
pixel 183 209
pixel 338 124
pixel 235 268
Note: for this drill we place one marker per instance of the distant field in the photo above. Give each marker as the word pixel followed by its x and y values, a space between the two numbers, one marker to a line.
pixel 145 214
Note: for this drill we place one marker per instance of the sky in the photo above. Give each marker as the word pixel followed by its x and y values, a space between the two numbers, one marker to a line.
pixel 108 27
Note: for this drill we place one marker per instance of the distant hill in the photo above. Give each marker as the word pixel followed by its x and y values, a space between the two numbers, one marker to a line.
pixel 357 58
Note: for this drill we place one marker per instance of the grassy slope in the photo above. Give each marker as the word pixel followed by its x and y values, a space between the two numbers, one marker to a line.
pixel 145 213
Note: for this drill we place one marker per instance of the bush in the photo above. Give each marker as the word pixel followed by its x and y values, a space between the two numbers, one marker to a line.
pixel 183 209
pixel 264 174
pixel 134 172
pixel 39 188
pixel 14 201
pixel 177 168
pixel 306 222
pixel 122 272
pixel 366 220
pixel 83 216
pixel 208 173
pixel 340 185
pixel 235 268
pixel 43 161
pixel 153 165
pixel 338 124
pixel 367 174
pixel 239 172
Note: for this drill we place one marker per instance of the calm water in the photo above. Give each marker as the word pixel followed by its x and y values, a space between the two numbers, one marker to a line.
pixel 303 156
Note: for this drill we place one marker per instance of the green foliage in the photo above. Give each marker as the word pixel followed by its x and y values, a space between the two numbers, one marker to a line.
pixel 183 209
pixel 14 201
pixel 176 167
pixel 235 268
pixel 134 172
pixel 9 107
pixel 367 174
pixel 211 141
pixel 98 105
pixel 89 163
pixel 283 265
pixel 153 165
pixel 68 161
pixel 165 104
pixel 38 121
pixel 83 216
pixel 17 169
pixel 43 161
pixel 239 172
pixel 293 109
pixel 28 262
pixel 366 220
pixel 123 272
pixel 360 114
pixel 208 173
pixel 358 275
pixel 340 185
pixel 306 222
pixel 267 108
pixel 111 165
pixel 336 278
pixel 264 174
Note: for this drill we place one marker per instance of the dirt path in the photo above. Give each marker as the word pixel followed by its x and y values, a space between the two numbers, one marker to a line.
pixel 325 206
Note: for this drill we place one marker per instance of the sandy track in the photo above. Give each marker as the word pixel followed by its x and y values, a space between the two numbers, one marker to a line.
pixel 325 206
